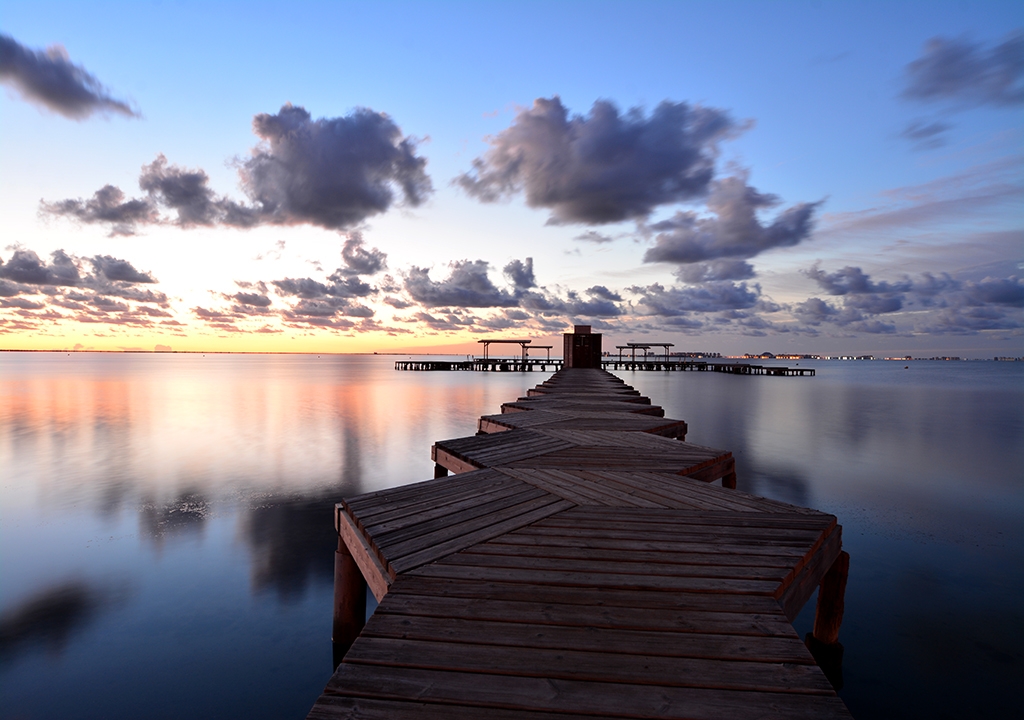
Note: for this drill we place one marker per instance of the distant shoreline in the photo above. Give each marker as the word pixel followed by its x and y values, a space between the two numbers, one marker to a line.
pixel 441 354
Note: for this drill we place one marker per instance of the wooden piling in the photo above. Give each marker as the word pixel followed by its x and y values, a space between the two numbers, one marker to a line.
pixel 828 615
pixel 349 599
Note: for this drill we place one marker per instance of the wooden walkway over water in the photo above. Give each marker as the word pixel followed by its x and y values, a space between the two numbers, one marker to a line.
pixel 578 568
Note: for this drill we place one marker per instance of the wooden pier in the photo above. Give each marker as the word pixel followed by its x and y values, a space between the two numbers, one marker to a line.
pixel 581 566
pixel 481 365
pixel 627 364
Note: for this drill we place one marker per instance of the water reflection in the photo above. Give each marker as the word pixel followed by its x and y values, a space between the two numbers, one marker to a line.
pixel 209 483
pixel 49 618
pixel 292 543
pixel 185 514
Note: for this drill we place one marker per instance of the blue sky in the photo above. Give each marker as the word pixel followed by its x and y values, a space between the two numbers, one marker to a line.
pixel 896 166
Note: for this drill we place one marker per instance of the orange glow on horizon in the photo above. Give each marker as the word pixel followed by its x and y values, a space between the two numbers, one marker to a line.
pixel 323 342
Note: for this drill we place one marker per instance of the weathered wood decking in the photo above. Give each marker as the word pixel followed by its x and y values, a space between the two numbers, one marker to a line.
pixel 572 572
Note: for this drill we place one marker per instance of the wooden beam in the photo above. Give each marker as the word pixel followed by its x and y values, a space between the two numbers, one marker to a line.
pixel 447 460
pixel 828 615
pixel 374 573
pixel 349 599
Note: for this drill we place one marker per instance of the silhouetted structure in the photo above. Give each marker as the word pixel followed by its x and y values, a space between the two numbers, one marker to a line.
pixel 581 348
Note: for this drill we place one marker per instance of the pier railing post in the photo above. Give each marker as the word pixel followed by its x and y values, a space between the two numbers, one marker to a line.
pixel 349 601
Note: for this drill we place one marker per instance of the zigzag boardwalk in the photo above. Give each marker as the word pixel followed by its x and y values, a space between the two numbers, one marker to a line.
pixel 580 565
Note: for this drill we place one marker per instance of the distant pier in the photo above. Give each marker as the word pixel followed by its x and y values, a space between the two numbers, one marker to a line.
pixel 550 365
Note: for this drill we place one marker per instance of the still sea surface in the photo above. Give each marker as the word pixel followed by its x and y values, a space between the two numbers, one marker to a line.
pixel 166 538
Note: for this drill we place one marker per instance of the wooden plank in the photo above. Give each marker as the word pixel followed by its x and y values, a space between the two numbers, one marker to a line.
pixel 438 548
pixel 416 539
pixel 632 668
pixel 383 526
pixel 629 543
pixel 573 488
pixel 618 567
pixel 339 707
pixel 616 554
pixel 559 695
pixel 599 607
pixel 429 500
pixel 516 631
pixel 600 580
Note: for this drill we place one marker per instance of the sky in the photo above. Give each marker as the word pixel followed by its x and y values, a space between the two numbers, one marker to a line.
pixel 815 177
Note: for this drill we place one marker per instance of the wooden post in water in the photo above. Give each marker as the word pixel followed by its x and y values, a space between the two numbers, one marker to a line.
pixel 440 471
pixel 828 615
pixel 729 480
pixel 349 601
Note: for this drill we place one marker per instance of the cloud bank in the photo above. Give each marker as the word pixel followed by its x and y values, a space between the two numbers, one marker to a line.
pixel 332 173
pixel 735 230
pixel 604 167
pixel 967 73
pixel 101 289
pixel 50 80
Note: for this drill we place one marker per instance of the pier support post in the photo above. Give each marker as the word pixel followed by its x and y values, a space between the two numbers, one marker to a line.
pixel 729 480
pixel 828 616
pixel 349 601
pixel 440 471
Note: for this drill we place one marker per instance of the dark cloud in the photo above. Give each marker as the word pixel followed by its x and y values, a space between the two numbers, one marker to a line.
pixel 520 274
pixel 964 72
pixel 108 206
pixel 397 303
pixel 49 79
pixel 961 307
pixel 712 270
pixel 711 297
pixel 970 321
pixel 100 289
pixel 331 172
pixel 117 270
pixel 22 303
pixel 852 280
pixel 359 260
pixel 253 299
pixel 338 286
pixel 11 289
pixel 875 304
pixel 592 236
pixel 735 230
pixel 572 306
pixel 26 267
pixel 603 293
pixel 187 192
pixel 995 291
pixel 926 135
pixel 467 285
pixel 604 167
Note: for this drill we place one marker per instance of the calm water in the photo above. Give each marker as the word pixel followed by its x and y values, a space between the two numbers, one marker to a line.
pixel 166 546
